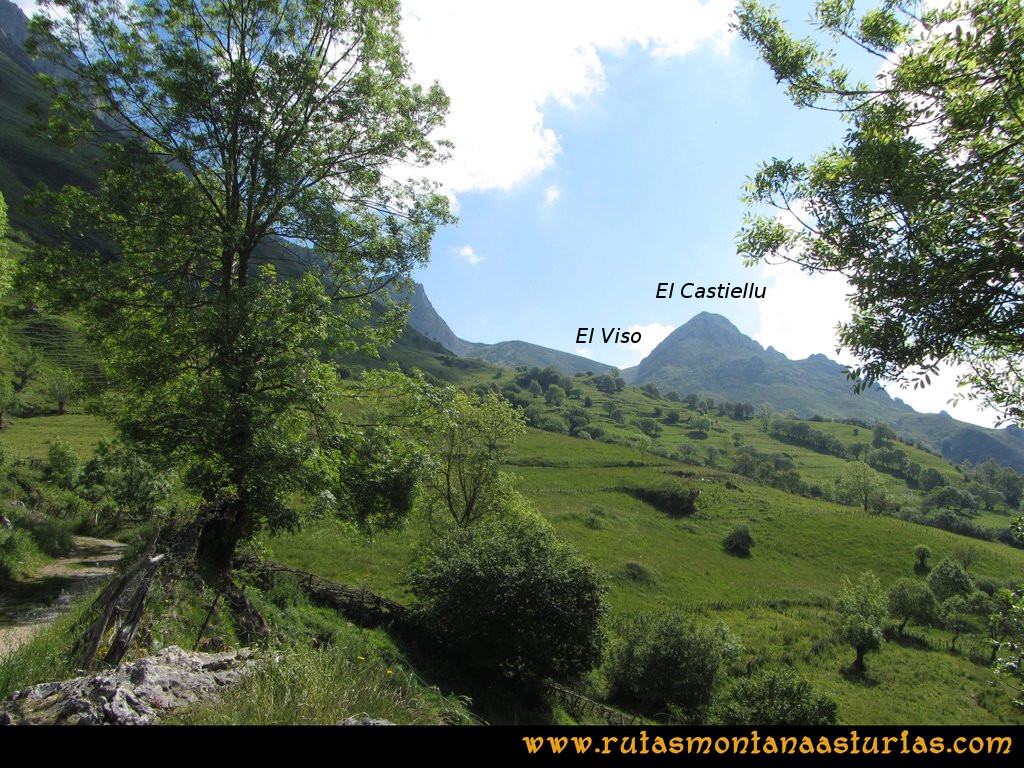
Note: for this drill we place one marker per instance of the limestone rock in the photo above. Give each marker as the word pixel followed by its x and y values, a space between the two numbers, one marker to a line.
pixel 136 693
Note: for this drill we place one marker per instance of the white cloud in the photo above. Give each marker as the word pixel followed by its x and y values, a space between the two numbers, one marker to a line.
pixel 551 195
pixel 470 255
pixel 501 62
pixel 651 335
pixel 584 352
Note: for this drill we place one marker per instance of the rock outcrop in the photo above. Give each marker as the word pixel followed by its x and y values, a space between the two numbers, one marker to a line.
pixel 135 693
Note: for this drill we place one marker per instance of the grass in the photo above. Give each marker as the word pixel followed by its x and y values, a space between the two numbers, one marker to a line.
pixel 31 438
pixel 779 601
pixel 46 656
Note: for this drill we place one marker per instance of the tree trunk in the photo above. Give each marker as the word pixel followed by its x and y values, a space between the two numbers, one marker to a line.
pixel 219 533
pixel 859 663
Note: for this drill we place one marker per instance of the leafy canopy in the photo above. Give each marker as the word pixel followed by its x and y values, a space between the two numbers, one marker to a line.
pixel 919 205
pixel 511 598
pixel 242 229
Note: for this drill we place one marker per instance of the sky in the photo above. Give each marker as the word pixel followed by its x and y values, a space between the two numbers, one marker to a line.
pixel 601 149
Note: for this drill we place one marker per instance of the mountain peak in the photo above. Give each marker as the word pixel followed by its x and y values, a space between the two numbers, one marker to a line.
pixel 716 330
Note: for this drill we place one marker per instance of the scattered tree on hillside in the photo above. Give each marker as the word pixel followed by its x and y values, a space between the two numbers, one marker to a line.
pixel 25 365
pixel 918 205
pixel 63 385
pixel 554 395
pixel 922 552
pixel 738 541
pixel 949 579
pixel 882 435
pixel 930 479
pixel 862 610
pixel 254 226
pixel 955 499
pixel 701 425
pixel 910 600
pixel 860 484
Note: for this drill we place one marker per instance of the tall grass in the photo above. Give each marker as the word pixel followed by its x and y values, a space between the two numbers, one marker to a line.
pixel 46 656
pixel 303 685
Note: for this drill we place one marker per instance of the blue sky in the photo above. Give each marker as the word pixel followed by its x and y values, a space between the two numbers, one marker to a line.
pixel 600 151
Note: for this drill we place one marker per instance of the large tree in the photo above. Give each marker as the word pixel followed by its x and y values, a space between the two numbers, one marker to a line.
pixel 919 204
pixel 245 221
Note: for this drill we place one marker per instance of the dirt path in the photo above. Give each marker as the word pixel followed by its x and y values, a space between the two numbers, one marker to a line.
pixel 32 604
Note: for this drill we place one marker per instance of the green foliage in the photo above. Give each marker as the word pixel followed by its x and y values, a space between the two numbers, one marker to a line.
pixel 509 597
pixel 665 661
pixel 17 552
pixel 1009 649
pixel 672 498
pixel 862 485
pixel 299 684
pixel 465 438
pixel 25 365
pixel 554 395
pixel 910 600
pixel 949 579
pixel 738 541
pixel 63 385
pixel 777 697
pixel 375 472
pixel 120 483
pixel 252 223
pixel 922 553
pixel 917 206
pixel 862 610
pixel 63 465
pixel 701 424
pixel 46 656
pixel 8 399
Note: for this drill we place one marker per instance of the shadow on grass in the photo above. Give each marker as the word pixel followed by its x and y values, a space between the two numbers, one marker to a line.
pixel 22 597
pixel 495 700
pixel 858 676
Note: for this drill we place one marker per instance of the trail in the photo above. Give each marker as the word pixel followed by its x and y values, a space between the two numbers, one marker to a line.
pixel 30 605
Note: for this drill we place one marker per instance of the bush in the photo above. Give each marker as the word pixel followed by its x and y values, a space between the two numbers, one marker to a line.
pixel 665 662
pixel 17 550
pixel 511 598
pixel 778 697
pixel 738 541
pixel 52 537
pixel 63 466
pixel 638 573
pixel 673 499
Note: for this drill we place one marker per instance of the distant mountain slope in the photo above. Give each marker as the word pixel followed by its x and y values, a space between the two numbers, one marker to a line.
pixel 425 319
pixel 26 161
pixel 709 356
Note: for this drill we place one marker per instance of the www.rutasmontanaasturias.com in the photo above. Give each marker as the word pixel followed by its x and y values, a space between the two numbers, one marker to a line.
pixel 720 291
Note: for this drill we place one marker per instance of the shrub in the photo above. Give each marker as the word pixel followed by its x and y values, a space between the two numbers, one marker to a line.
pixel 639 573
pixel 673 499
pixel 665 661
pixel 511 598
pixel 923 553
pixel 949 579
pixel 738 541
pixel 52 537
pixel 63 466
pixel 17 550
pixel 778 697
